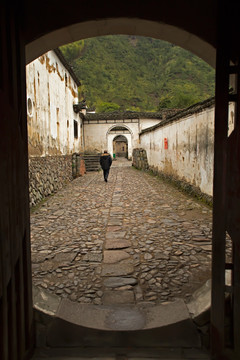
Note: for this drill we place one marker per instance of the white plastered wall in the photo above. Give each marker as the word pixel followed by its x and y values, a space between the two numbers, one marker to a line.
pixel 97 137
pixel 51 93
pixel 190 152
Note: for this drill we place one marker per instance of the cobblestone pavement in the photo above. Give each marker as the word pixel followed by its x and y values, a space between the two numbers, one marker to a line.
pixel 133 240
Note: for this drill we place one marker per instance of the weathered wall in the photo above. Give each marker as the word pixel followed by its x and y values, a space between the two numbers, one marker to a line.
pixel 146 123
pixel 95 137
pixel 52 90
pixel 47 175
pixel 51 93
pixel 190 146
pixel 139 159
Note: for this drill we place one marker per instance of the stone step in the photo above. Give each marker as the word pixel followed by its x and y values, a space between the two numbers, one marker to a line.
pixel 92 168
pixel 92 162
pixel 91 157
pixel 120 354
pixel 95 159
pixel 61 323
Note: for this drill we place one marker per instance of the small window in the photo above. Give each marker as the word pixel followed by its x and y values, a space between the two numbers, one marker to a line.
pixel 75 125
pixel 29 107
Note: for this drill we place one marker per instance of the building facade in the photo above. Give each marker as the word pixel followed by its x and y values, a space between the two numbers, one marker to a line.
pixel 54 128
pixel 102 131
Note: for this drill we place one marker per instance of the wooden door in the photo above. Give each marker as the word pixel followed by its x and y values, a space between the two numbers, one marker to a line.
pixel 225 315
pixel 16 320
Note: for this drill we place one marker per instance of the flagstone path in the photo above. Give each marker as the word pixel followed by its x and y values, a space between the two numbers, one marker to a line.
pixel 133 240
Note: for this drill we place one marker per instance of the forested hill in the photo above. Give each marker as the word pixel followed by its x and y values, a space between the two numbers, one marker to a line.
pixel 121 72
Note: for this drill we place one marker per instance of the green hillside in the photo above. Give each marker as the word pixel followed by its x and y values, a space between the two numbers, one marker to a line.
pixel 138 73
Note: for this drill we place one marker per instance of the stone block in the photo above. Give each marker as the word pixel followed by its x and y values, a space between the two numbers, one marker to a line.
pixel 117 244
pixel 114 256
pixel 117 269
pixel 117 281
pixel 118 297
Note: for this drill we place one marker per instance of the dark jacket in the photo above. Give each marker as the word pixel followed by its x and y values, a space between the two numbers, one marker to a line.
pixel 105 161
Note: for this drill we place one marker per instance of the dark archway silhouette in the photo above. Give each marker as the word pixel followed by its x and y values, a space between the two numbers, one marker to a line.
pixel 199 26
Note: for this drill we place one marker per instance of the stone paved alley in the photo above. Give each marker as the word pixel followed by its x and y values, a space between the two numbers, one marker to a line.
pixel 133 240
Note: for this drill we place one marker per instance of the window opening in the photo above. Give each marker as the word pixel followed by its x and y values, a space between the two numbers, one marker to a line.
pixel 75 126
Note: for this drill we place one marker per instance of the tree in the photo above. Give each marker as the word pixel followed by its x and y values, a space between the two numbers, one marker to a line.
pixel 139 73
pixel 107 107
pixel 73 50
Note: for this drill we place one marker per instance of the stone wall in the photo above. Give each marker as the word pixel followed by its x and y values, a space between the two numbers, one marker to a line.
pixel 78 165
pixel 139 159
pixel 47 175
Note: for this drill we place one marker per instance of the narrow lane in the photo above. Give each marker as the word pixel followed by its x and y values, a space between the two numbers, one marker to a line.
pixel 133 240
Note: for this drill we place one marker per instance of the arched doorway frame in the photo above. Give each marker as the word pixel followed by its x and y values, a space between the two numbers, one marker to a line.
pixel 129 137
pixel 21 24
pixel 187 46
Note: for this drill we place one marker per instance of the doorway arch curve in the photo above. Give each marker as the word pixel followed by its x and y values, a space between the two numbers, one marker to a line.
pixel 120 130
pixel 128 26
pixel 162 31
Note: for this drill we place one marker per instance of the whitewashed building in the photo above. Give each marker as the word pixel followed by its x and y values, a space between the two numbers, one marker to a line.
pixel 52 90
pixel 118 133
pixel 54 128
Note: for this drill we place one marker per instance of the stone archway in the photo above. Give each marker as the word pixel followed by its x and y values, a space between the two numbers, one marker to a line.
pixel 28 29
pixel 173 33
pixel 124 135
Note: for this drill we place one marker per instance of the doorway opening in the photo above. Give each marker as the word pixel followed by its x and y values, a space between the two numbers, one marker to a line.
pixel 120 142
pixel 120 146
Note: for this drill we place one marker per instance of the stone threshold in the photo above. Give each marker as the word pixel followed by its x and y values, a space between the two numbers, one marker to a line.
pixel 121 354
pixel 125 317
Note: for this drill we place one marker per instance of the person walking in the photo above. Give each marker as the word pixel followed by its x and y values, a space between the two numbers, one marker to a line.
pixel 105 162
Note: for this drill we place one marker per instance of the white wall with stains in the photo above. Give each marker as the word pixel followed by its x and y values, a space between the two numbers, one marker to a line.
pixel 51 93
pixel 189 155
pixel 146 123
pixel 98 135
